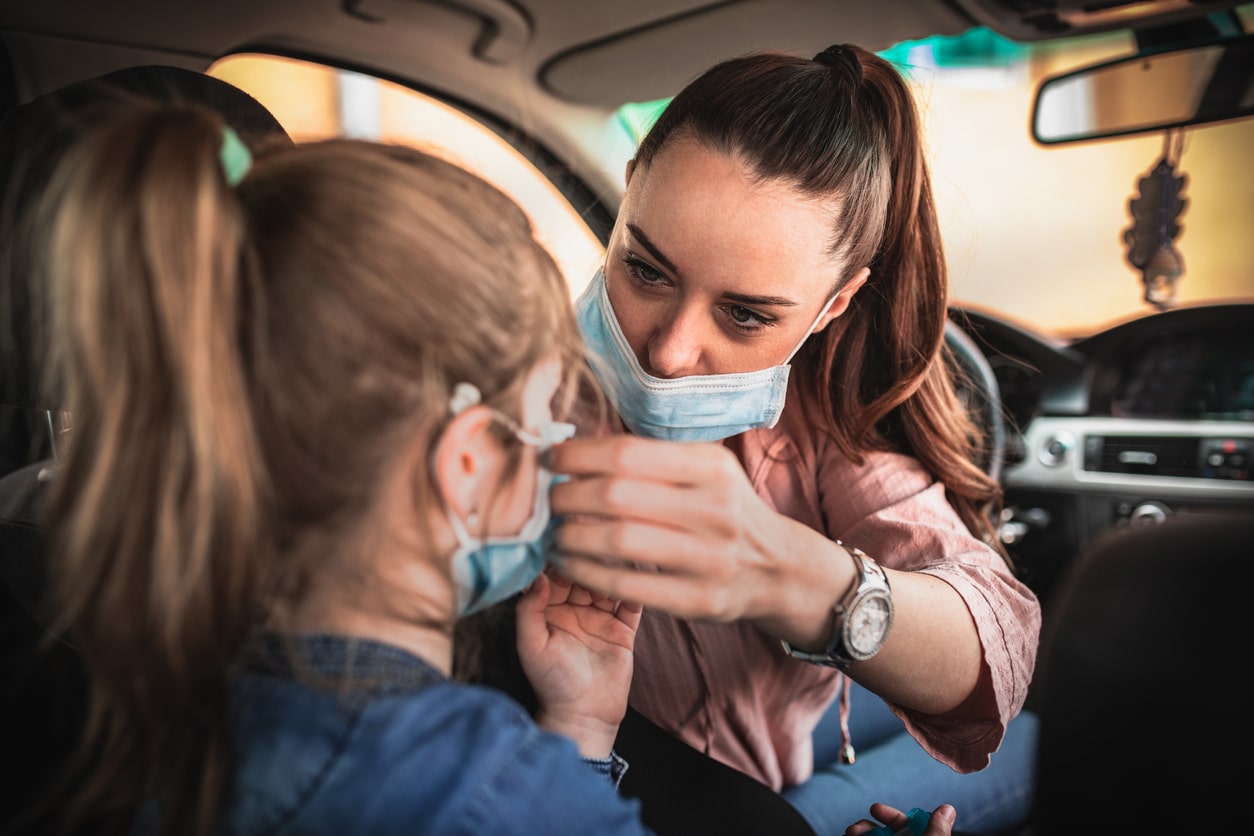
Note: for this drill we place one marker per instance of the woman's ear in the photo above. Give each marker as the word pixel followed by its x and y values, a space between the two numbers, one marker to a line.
pixel 840 303
pixel 466 461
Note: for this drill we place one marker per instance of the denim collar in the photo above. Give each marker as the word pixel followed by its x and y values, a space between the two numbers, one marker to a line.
pixel 342 663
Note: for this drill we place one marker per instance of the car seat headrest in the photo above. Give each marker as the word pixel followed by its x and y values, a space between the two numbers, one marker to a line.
pixel 33 138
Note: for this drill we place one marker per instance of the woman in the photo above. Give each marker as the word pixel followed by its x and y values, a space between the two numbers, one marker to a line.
pixel 309 397
pixel 774 292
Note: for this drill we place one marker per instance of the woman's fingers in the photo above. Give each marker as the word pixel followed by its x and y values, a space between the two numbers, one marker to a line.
pixel 644 458
pixel 667 525
pixel 652 500
pixel 651 546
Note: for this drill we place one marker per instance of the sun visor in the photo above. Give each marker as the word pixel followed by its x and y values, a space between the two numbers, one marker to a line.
pixel 656 60
pixel 1033 20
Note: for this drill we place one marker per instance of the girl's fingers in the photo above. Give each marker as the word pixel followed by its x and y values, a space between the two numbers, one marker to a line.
pixel 629 613
pixel 579 596
pixel 682 595
pixel 529 614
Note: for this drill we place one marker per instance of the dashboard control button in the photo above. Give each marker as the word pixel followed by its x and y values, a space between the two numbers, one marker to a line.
pixel 1056 449
pixel 1149 513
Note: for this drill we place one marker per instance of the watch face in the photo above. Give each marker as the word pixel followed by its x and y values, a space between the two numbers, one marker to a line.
pixel 867 626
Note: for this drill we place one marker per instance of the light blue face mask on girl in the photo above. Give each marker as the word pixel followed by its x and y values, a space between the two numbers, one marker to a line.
pixel 490 570
pixel 706 407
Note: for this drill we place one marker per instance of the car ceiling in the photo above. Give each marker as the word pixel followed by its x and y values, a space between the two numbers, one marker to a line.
pixel 554 67
pixel 593 52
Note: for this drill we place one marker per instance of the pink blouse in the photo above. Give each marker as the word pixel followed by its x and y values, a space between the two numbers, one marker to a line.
pixel 730 691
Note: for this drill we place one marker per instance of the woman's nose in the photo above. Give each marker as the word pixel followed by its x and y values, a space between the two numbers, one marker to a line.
pixel 674 349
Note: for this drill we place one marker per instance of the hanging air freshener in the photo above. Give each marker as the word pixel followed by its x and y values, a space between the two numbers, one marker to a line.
pixel 1155 225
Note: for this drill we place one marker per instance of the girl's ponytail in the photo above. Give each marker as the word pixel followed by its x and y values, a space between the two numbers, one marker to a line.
pixel 155 514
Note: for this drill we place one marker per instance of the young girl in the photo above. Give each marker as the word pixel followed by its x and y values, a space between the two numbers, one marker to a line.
pixel 310 396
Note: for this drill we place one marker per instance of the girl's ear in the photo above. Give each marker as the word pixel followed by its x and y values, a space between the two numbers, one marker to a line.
pixel 843 297
pixel 466 461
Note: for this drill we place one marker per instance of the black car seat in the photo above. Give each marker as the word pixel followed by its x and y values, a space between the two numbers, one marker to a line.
pixel 1141 681
pixel 42 685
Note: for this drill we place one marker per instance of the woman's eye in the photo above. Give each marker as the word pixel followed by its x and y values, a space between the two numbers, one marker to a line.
pixel 745 319
pixel 643 272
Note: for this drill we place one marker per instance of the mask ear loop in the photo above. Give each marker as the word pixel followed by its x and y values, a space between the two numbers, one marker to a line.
pixel 810 331
pixel 466 395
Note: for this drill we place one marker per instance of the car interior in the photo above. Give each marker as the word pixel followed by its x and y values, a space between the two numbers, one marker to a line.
pixel 1103 332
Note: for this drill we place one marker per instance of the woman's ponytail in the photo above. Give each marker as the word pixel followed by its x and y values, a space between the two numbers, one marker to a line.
pixel 883 361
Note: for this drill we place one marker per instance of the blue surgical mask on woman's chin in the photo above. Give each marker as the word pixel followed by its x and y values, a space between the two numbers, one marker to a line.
pixel 708 407
pixel 489 570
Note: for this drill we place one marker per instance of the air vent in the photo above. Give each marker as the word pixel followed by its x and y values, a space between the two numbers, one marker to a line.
pixel 1194 457
pixel 1146 455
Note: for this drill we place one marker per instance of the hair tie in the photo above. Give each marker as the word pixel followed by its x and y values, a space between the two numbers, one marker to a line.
pixel 235 157
pixel 842 57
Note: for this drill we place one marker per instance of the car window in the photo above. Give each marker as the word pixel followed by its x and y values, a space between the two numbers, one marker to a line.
pixel 314 101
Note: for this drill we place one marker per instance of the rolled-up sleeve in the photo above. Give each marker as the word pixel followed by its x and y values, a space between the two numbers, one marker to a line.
pixel 891 508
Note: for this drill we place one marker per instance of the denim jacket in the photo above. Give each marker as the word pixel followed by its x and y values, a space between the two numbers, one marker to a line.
pixel 340 736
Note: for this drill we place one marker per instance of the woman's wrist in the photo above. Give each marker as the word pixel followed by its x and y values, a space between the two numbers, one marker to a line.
pixel 817 573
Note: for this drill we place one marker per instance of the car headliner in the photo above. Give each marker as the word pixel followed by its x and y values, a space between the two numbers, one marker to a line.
pixel 557 68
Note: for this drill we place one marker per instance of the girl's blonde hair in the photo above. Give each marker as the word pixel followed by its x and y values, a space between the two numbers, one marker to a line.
pixel 242 363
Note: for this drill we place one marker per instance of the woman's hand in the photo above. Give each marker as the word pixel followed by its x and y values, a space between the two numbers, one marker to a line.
pixel 678 526
pixel 940 824
pixel 576 649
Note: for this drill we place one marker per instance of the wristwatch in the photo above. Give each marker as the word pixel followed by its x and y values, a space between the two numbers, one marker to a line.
pixel 863 618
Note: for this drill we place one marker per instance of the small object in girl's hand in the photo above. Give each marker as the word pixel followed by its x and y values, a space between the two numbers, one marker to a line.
pixel 917 823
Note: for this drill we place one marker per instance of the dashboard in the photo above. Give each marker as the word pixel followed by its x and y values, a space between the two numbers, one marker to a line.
pixel 1152 417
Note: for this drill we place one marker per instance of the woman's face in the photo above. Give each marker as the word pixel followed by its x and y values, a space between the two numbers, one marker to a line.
pixel 710 272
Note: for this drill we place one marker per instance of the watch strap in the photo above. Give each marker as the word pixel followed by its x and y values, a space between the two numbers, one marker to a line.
pixel 870 576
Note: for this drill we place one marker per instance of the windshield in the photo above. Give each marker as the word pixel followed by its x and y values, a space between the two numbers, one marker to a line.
pixel 1036 233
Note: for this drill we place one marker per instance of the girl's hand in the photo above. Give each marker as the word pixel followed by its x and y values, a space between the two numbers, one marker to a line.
pixel 576 649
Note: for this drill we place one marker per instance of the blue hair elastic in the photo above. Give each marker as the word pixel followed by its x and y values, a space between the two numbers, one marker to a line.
pixel 235 156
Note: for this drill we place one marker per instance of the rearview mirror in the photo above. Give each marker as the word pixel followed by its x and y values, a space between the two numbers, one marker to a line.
pixel 1150 92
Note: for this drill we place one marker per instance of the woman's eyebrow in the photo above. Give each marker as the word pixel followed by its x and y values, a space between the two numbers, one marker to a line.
pixel 749 299
pixel 739 298
pixel 644 241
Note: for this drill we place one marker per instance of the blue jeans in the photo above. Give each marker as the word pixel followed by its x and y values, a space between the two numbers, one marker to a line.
pixel 893 768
